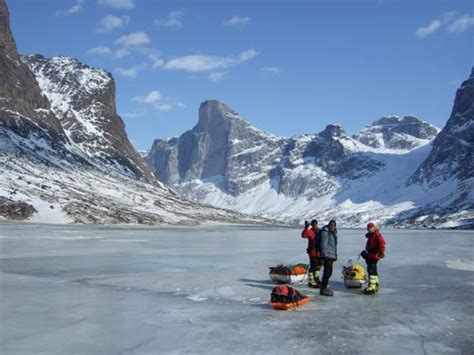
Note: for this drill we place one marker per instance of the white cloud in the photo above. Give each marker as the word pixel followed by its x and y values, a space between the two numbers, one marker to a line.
pixel 237 20
pixel 202 63
pixel 198 63
pixel 111 22
pixel 157 101
pixel 455 24
pixel 449 16
pixel 99 51
pixel 461 24
pixel 107 52
pixel 118 4
pixel 272 70
pixel 217 76
pixel 121 53
pixel 151 97
pixel 134 39
pixel 157 63
pixel 247 55
pixel 77 7
pixel 173 19
pixel 163 107
pixel 131 72
pixel 429 29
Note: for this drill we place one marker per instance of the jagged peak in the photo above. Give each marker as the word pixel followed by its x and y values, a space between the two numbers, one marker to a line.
pixel 69 72
pixel 392 120
pixel 211 106
pixel 212 112
pixel 333 130
pixel 63 61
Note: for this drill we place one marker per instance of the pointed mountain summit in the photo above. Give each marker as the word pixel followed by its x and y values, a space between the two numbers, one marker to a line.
pixel 214 112
pixel 222 147
pixel 333 130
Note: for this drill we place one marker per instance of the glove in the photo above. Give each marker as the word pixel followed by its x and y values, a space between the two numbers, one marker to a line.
pixel 381 255
pixel 364 254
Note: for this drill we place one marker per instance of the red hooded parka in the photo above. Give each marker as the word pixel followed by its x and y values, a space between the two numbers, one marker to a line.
pixel 375 246
pixel 311 235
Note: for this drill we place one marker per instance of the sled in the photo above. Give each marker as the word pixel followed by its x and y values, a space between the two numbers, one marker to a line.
pixel 288 279
pixel 353 275
pixel 289 274
pixel 285 298
pixel 290 305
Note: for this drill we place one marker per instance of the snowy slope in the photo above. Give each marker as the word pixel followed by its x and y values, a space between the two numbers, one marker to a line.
pixel 83 99
pixel 64 152
pixel 64 190
pixel 325 175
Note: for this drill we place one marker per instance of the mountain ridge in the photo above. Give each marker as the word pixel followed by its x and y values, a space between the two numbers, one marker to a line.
pixel 323 175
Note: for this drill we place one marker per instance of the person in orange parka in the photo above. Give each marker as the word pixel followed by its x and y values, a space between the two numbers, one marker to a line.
pixel 374 251
pixel 311 232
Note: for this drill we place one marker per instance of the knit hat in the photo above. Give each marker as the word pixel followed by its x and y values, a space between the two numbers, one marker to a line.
pixel 371 225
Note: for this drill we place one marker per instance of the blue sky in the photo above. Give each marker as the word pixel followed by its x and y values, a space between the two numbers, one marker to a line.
pixel 289 67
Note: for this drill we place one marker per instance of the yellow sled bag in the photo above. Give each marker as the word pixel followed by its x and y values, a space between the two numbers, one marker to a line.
pixel 353 275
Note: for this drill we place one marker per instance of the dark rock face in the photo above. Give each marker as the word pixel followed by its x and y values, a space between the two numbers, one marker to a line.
pixel 222 147
pixel 7 43
pixel 393 132
pixel 453 149
pixel 15 210
pixel 228 151
pixel 83 99
pixel 23 108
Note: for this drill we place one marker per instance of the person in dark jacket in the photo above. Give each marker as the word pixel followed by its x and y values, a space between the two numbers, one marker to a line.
pixel 311 232
pixel 374 251
pixel 328 247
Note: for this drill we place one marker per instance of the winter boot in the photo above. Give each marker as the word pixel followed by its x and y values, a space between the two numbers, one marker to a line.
pixel 326 291
pixel 373 285
pixel 316 279
pixel 311 280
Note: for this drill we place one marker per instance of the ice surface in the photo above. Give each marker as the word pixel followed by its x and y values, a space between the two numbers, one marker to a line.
pixel 71 289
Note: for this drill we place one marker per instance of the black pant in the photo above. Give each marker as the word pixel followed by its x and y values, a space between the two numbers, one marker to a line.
pixel 314 264
pixel 327 264
pixel 372 267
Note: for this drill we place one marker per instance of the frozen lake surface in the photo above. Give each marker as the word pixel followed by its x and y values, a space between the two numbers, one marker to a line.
pixel 132 290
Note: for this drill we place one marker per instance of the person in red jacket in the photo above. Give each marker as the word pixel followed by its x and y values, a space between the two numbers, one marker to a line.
pixel 311 232
pixel 374 251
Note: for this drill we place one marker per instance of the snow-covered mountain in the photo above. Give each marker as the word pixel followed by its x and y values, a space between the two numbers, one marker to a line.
pixel 83 99
pixel 226 162
pixel 64 152
pixel 400 133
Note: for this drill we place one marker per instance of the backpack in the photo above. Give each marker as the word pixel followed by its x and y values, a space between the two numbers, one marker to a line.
pixel 285 294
